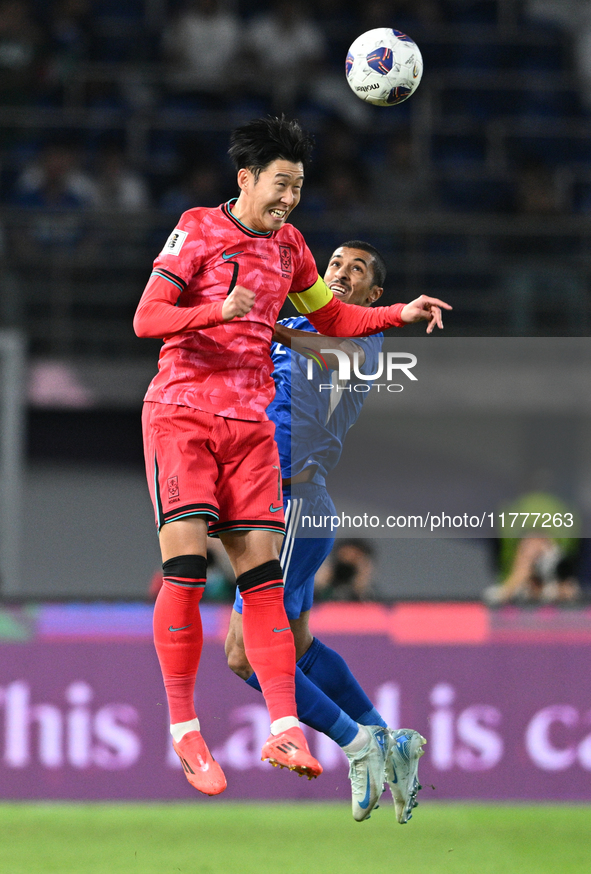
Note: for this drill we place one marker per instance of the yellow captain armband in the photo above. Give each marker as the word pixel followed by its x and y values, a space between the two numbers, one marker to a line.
pixel 312 298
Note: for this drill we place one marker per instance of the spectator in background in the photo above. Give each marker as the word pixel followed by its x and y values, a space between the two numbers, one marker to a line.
pixel 201 185
pixel 339 22
pixel 201 47
pixel 287 46
pixel 540 566
pixel 21 47
pixel 119 186
pixel 69 30
pixel 339 180
pixel 540 570
pixel 400 182
pixel 538 272
pixel 56 178
pixel 346 575
pixel 402 14
pixel 345 190
pixel 339 144
pixel 57 187
pixel 537 192
pixel 574 16
pixel 119 189
pixel 331 93
pixel 560 12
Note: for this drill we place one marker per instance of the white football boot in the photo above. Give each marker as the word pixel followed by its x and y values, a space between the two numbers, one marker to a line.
pixel 367 772
pixel 402 767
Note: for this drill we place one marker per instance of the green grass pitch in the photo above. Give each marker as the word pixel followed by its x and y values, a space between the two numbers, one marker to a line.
pixel 229 838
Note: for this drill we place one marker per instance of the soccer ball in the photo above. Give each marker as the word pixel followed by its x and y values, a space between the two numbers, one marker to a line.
pixel 384 66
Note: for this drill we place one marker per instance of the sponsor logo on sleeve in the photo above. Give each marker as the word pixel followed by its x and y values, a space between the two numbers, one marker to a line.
pixel 174 244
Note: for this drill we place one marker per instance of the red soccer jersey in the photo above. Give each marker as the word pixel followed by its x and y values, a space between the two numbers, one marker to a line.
pixel 224 369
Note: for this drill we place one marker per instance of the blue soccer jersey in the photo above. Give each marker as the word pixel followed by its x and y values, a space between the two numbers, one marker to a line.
pixel 312 416
pixel 310 429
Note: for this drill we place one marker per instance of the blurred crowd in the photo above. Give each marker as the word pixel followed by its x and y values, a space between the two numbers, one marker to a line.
pixel 536 569
pixel 114 111
pixel 195 57
pixel 348 574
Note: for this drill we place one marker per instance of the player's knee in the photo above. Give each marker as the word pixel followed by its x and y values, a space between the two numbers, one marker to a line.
pixel 270 572
pixel 186 570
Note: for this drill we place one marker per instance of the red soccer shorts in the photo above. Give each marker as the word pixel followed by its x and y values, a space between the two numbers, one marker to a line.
pixel 198 463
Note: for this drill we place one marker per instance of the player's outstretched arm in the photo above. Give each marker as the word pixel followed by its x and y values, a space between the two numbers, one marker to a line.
pixel 285 335
pixel 305 341
pixel 426 309
pixel 337 319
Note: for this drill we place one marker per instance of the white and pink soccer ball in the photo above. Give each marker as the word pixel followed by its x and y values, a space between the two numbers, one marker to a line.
pixel 384 66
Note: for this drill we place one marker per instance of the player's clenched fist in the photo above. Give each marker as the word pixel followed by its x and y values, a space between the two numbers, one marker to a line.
pixel 238 303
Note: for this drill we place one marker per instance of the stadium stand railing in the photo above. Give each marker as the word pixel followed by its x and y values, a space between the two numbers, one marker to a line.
pixel 498 90
pixel 77 294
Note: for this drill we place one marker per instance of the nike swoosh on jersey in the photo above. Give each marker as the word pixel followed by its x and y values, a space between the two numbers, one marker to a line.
pixel 274 509
pixel 231 255
pixel 182 628
pixel 277 630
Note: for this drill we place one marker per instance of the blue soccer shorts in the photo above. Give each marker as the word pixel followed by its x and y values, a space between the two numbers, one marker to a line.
pixel 301 557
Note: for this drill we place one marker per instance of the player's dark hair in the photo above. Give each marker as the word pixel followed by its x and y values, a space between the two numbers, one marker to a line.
pixel 255 145
pixel 378 265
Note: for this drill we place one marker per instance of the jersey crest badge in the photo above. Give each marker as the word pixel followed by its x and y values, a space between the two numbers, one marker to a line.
pixel 173 489
pixel 285 257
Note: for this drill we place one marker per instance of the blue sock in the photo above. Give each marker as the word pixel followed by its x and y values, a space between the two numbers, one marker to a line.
pixel 317 710
pixel 330 672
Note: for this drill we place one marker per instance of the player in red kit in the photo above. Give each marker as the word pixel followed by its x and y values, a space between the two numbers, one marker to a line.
pixel 211 460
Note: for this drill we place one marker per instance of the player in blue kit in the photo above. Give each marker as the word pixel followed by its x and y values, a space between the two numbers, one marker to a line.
pixel 310 428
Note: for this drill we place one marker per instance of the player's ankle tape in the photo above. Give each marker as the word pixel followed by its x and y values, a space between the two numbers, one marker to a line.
pixel 270 572
pixel 185 570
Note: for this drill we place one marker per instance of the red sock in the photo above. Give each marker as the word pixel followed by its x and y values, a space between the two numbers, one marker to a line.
pixel 179 651
pixel 269 647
